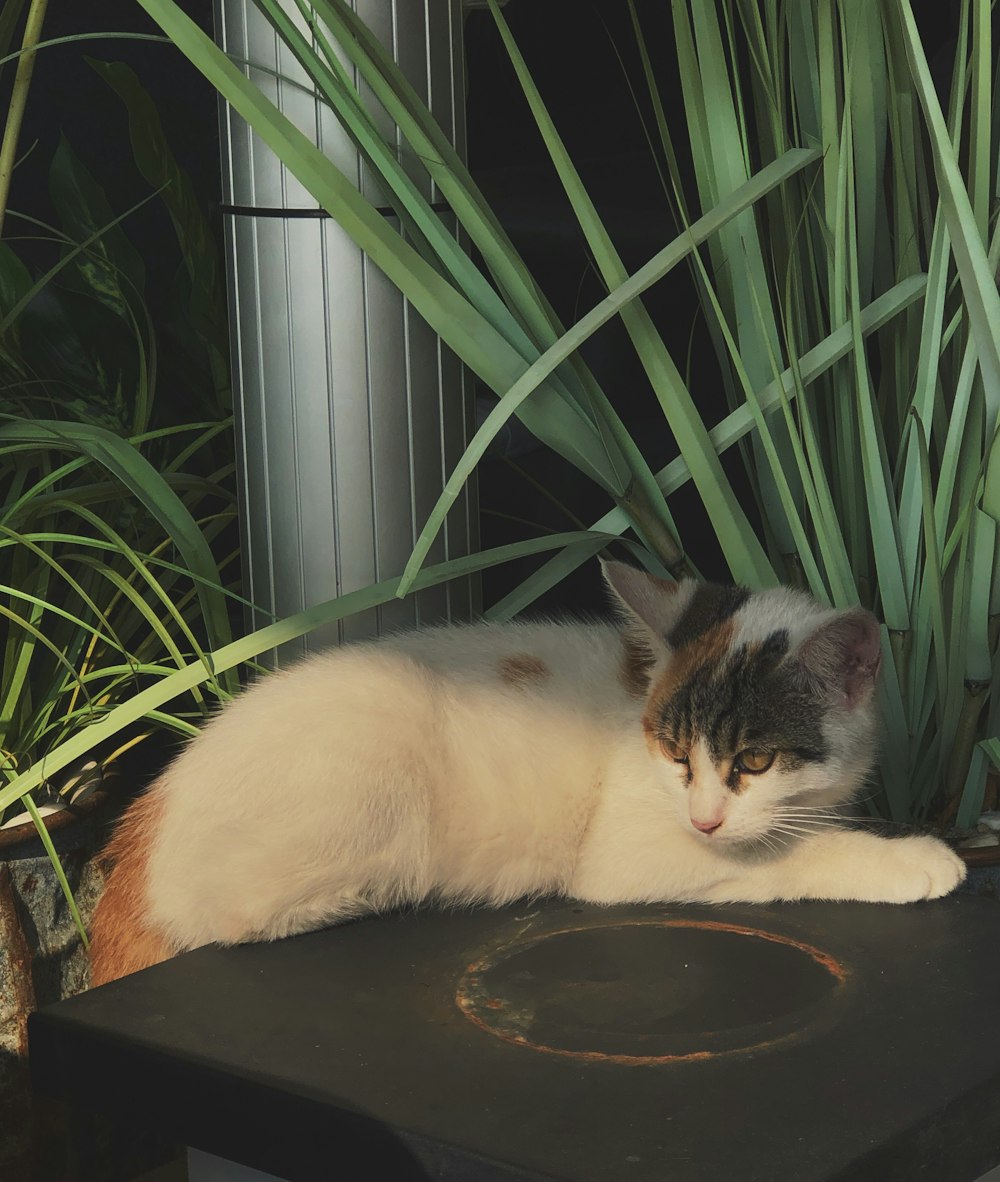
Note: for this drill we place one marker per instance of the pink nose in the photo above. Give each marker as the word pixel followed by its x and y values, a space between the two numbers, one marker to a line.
pixel 706 826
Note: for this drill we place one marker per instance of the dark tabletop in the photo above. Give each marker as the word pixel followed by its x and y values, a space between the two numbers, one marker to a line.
pixel 755 1044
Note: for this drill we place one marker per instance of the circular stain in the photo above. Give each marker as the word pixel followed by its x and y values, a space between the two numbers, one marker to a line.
pixel 651 991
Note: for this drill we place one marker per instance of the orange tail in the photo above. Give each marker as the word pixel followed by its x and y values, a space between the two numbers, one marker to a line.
pixel 122 941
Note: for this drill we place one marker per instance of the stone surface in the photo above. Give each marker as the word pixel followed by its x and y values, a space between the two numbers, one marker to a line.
pixel 42 960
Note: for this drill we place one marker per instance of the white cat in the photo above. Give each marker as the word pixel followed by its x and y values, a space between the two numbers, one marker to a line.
pixel 693 754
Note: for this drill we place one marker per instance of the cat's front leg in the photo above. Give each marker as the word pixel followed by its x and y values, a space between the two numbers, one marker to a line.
pixel 845 864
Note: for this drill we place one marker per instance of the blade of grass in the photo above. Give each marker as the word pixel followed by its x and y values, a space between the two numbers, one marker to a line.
pixel 930 607
pixel 18 98
pixel 881 505
pixel 57 867
pixel 978 282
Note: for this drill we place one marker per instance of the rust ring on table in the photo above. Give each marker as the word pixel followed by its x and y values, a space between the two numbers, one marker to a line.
pixel 469 995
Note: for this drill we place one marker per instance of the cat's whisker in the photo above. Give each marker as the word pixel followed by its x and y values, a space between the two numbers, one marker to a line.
pixel 810 810
pixel 795 831
pixel 831 818
pixel 768 842
pixel 786 829
pixel 815 822
pixel 824 810
pixel 864 799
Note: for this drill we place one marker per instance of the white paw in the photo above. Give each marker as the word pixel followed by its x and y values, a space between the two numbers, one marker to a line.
pixel 919 868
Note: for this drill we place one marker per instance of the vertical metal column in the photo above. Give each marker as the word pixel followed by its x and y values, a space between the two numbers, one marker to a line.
pixel 350 412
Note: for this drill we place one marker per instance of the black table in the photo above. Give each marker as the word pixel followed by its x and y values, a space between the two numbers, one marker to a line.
pixel 755 1044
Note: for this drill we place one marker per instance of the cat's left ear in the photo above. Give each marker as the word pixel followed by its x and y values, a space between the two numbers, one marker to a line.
pixel 843 656
pixel 653 606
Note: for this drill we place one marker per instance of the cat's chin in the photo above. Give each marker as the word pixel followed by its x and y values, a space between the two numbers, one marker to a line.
pixel 727 841
pixel 756 845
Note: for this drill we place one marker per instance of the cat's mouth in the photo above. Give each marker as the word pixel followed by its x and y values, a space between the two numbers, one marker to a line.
pixel 721 834
pixel 770 840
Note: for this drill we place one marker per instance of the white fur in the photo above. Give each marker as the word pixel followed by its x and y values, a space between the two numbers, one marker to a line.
pixel 395 771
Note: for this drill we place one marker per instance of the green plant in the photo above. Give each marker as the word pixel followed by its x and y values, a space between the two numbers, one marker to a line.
pixel 845 255
pixel 116 514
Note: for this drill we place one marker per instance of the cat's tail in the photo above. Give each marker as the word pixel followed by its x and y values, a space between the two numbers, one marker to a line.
pixel 122 938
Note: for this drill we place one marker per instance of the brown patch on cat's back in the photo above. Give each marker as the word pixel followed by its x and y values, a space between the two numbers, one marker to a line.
pixel 522 670
pixel 707 649
pixel 122 940
pixel 634 666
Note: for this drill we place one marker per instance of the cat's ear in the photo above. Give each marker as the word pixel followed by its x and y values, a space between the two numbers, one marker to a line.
pixel 843 656
pixel 651 605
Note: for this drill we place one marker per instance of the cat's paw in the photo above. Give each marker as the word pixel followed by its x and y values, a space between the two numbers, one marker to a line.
pixel 917 868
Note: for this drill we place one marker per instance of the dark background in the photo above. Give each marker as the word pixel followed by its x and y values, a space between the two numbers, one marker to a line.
pixel 572 47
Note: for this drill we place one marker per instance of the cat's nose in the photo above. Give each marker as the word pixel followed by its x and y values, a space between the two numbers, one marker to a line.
pixel 708 826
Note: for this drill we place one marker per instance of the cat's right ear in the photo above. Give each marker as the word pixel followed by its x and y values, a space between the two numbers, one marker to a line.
pixel 842 658
pixel 650 605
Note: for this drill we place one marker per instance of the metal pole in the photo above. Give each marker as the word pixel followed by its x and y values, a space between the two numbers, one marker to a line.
pixel 350 412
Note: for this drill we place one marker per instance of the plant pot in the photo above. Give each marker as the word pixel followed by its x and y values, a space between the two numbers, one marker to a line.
pixel 42 960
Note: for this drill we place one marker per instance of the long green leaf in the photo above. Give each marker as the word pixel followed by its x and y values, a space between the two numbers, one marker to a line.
pixel 881 507
pixel 978 282
pixel 57 866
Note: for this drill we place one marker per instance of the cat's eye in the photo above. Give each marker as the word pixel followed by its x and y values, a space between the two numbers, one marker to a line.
pixel 673 751
pixel 754 761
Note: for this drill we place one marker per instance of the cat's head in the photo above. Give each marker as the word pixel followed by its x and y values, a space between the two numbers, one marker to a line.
pixel 758 704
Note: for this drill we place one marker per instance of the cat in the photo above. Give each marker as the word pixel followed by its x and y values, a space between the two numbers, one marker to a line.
pixel 694 752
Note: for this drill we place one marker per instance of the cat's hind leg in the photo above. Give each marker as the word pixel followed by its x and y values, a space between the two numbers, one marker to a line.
pixel 123 936
pixel 364 849
pixel 290 918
